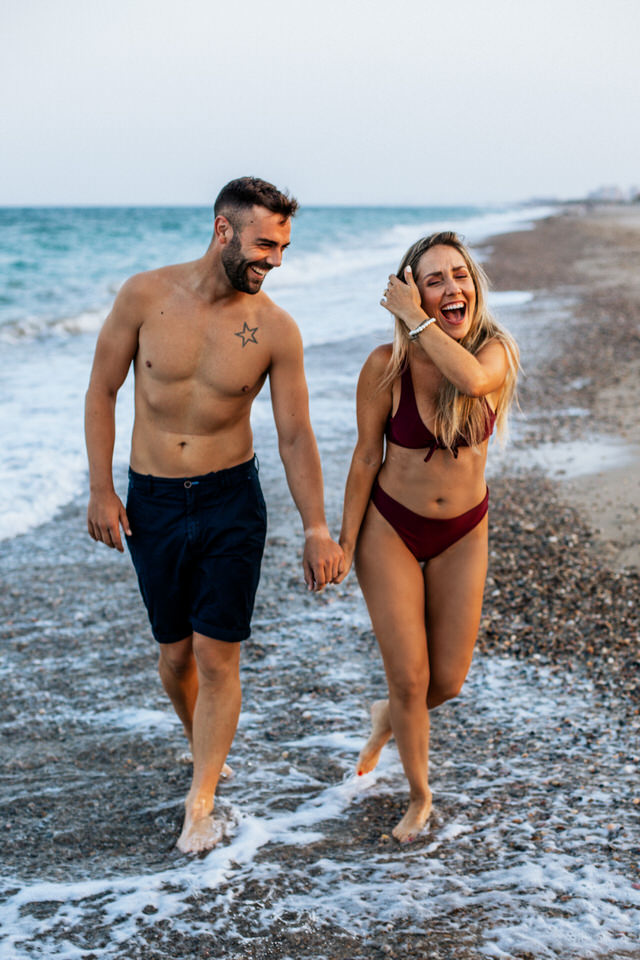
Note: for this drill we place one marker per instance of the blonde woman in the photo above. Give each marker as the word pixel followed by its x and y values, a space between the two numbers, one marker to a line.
pixel 415 515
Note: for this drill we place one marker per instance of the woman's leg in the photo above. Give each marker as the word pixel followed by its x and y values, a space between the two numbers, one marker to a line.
pixel 392 583
pixel 381 733
pixel 454 585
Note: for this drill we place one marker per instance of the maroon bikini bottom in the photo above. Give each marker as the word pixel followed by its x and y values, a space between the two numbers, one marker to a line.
pixel 426 537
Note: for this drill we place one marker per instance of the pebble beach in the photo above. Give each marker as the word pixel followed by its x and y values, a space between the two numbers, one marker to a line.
pixel 533 849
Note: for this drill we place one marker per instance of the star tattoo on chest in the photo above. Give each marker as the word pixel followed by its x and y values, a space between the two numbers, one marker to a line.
pixel 248 334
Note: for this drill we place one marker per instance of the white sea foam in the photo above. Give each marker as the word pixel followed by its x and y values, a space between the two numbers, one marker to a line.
pixel 139 719
pixel 509 298
pixel 34 327
pixel 43 465
pixel 575 458
pixel 549 895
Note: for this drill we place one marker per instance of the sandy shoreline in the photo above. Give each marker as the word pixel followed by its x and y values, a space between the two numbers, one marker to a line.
pixel 589 256
pixel 584 596
pixel 534 767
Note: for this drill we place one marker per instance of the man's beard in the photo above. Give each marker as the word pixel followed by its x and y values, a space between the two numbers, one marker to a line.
pixel 236 267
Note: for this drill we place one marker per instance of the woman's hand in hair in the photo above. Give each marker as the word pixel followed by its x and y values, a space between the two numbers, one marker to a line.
pixel 402 298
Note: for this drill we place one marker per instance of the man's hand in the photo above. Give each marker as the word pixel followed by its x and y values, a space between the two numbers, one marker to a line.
pixel 323 559
pixel 105 516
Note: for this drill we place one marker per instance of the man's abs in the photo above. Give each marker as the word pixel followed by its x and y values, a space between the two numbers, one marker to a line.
pixel 165 453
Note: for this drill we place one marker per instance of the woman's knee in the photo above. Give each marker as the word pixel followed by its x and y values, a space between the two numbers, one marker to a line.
pixel 407 687
pixel 441 690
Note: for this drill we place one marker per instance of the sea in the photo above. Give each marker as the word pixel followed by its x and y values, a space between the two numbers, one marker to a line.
pixel 546 884
pixel 60 269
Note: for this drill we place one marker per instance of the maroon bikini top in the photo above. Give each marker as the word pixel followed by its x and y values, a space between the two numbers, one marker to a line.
pixel 406 428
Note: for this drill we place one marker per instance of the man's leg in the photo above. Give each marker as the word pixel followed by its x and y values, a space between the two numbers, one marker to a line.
pixel 179 675
pixel 215 718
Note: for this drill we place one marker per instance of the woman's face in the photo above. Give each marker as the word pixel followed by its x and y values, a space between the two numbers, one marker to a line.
pixel 446 289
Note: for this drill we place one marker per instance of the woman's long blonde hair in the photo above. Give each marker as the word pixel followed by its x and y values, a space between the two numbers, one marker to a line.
pixel 457 414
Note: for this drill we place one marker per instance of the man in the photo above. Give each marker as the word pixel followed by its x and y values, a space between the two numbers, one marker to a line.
pixel 203 337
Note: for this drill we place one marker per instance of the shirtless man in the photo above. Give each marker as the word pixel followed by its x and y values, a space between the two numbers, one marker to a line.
pixel 203 337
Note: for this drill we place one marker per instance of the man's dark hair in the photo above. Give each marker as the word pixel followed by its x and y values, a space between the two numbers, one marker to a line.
pixel 240 195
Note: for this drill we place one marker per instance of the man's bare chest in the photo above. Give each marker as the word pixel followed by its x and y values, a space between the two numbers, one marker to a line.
pixel 227 354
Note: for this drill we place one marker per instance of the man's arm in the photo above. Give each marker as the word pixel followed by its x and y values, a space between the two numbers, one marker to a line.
pixel 322 560
pixel 115 349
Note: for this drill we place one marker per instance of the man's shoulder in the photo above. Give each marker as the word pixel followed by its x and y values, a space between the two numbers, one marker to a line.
pixel 271 310
pixel 280 323
pixel 150 283
pixel 140 292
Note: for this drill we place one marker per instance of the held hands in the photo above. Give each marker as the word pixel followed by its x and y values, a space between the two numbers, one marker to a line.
pixel 323 559
pixel 403 299
pixel 105 515
pixel 348 552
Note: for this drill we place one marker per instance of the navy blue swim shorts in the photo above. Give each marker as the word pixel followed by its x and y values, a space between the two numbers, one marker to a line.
pixel 196 544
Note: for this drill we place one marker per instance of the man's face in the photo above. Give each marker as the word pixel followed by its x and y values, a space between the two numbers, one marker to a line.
pixel 257 245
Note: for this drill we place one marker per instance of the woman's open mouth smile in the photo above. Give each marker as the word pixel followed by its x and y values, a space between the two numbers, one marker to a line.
pixel 454 313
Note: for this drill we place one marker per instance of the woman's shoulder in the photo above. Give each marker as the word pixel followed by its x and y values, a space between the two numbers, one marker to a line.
pixel 378 359
pixel 372 376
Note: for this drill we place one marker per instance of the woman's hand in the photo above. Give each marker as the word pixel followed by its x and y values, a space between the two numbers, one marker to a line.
pixel 403 300
pixel 348 552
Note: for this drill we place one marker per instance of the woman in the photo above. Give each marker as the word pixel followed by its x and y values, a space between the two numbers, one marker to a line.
pixel 419 514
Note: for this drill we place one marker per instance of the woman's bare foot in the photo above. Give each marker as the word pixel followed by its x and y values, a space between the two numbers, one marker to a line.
pixel 200 831
pixel 380 734
pixel 414 820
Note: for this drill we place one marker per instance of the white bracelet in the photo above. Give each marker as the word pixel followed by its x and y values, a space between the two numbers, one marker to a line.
pixel 421 326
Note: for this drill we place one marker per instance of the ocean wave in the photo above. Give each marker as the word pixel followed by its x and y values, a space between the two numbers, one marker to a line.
pixel 33 328
pixel 381 249
pixel 329 247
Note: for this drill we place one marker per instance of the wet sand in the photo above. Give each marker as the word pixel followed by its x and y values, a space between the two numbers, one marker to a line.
pixel 586 580
pixel 588 258
pixel 534 768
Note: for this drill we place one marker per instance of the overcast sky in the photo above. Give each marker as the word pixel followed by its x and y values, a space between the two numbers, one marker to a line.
pixel 342 101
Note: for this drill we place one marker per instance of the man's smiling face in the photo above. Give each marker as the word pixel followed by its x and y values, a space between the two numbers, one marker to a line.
pixel 256 247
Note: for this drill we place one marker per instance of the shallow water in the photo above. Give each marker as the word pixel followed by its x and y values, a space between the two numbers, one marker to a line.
pixel 529 852
pixel 532 850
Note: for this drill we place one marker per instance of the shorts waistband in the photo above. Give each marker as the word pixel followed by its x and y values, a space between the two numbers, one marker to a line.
pixel 216 480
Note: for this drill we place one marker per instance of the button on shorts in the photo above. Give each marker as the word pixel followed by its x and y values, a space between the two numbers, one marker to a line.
pixel 196 545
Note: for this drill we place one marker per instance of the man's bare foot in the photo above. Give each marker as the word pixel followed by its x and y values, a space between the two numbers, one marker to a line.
pixel 413 821
pixel 199 833
pixel 185 756
pixel 380 734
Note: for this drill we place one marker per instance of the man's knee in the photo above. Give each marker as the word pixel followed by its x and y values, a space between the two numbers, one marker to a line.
pixel 177 658
pixel 218 661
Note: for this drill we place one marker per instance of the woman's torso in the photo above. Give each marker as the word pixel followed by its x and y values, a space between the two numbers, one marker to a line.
pixel 431 481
